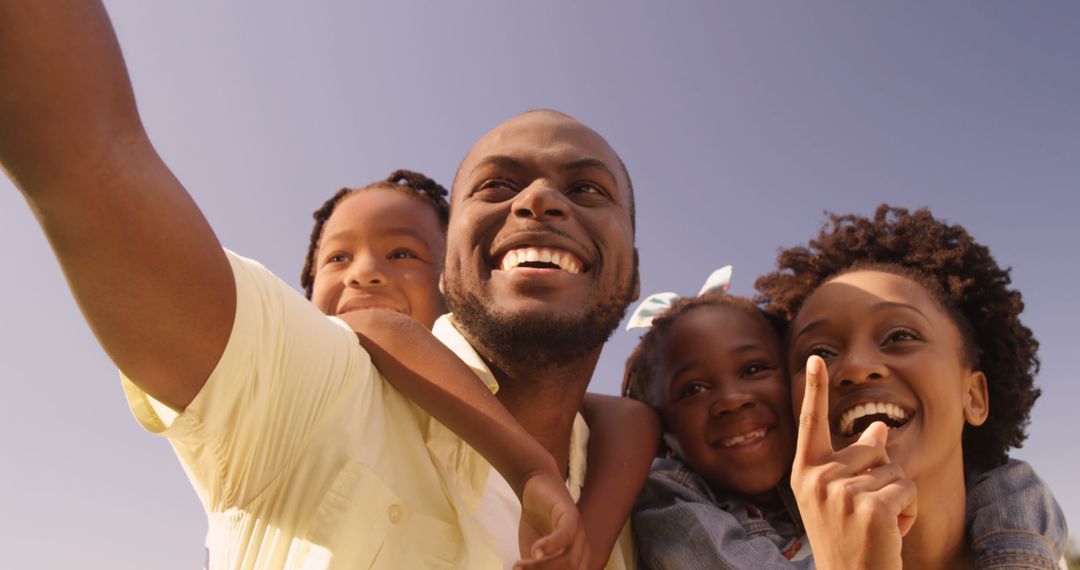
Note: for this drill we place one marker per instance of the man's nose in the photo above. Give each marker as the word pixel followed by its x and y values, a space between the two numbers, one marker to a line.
pixel 540 200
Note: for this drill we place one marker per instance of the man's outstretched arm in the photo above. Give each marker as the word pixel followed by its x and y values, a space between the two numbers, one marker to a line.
pixel 140 258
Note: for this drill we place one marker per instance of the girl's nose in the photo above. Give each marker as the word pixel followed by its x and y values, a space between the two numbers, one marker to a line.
pixel 731 401
pixel 366 272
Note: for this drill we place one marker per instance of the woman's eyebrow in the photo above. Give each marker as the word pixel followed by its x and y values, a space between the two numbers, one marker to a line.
pixel 891 305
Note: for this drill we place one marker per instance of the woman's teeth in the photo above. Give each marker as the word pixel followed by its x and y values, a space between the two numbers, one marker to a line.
pixel 891 414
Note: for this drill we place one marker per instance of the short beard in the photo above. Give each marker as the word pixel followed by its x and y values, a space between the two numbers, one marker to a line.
pixel 524 343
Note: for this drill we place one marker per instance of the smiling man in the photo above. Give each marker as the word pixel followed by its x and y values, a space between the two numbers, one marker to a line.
pixel 300 451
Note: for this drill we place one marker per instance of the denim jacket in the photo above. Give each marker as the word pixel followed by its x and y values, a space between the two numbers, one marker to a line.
pixel 1013 521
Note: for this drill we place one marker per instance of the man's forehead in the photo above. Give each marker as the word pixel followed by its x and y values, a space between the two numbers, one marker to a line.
pixel 541 136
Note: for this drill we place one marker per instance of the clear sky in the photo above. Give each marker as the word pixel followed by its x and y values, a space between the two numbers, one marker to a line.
pixel 740 122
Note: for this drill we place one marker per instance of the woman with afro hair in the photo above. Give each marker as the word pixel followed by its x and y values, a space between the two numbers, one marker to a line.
pixel 918 375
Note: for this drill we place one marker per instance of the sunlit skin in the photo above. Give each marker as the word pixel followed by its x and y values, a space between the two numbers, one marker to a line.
pixel 380 249
pixel 724 376
pixel 545 180
pixel 541 179
pixel 885 338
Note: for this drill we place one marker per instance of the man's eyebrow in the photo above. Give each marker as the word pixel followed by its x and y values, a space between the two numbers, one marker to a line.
pixel 586 163
pixel 499 161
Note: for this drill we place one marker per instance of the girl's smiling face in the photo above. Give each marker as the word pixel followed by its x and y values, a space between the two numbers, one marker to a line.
pixel 894 355
pixel 381 248
pixel 727 399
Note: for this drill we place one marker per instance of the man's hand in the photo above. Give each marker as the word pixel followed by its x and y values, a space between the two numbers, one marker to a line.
pixel 550 533
pixel 856 505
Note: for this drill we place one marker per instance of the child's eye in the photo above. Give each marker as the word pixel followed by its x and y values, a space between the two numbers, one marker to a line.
pixel 337 258
pixel 754 369
pixel 692 388
pixel 402 254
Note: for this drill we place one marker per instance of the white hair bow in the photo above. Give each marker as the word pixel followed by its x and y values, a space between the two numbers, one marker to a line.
pixel 657 303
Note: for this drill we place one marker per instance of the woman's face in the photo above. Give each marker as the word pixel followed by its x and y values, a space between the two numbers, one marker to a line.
pixel 726 399
pixel 893 355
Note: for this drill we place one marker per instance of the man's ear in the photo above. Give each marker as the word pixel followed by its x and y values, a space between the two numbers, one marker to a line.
pixel 442 284
pixel 976 399
pixel 636 290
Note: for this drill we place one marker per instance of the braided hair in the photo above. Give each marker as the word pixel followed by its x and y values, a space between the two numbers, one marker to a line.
pixel 406 181
pixel 967 282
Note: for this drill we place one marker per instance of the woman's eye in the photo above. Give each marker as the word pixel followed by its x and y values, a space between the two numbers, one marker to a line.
pixel 820 351
pixel 901 335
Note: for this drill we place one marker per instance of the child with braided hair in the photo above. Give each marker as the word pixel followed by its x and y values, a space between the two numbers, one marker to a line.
pixel 381 247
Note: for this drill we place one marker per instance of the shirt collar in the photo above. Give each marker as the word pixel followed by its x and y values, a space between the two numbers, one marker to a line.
pixel 446 331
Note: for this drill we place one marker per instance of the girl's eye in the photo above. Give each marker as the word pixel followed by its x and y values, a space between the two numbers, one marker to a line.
pixel 754 368
pixel 337 258
pixel 692 388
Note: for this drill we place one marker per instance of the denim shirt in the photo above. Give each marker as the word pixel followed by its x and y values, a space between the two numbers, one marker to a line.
pixel 1013 521
pixel 680 523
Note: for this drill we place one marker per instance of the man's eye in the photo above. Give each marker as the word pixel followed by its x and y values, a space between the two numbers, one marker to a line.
pixel 496 188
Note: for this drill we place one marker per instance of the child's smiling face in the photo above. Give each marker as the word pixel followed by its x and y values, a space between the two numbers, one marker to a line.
pixel 895 355
pixel 727 401
pixel 380 249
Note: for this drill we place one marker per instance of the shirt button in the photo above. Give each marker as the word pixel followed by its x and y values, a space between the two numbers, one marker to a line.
pixel 394 513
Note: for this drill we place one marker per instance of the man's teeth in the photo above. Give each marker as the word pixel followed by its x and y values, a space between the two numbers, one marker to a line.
pixel 563 259
pixel 748 437
pixel 847 421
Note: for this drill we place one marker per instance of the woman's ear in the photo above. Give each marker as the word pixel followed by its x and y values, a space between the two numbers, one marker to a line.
pixel 976 398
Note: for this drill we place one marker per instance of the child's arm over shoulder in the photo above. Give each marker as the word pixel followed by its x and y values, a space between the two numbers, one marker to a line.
pixel 423 369
pixel 624 435
pixel 1012 515
pixel 677 526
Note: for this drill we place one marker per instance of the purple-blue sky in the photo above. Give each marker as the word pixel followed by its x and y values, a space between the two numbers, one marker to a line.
pixel 740 123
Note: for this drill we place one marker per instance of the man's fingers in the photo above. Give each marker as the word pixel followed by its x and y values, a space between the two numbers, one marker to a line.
pixel 814 440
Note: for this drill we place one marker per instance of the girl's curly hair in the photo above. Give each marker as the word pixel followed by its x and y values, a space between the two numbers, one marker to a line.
pixel 967 282
pixel 406 181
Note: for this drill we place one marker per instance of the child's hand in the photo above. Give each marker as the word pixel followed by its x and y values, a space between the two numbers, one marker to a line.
pixel 855 504
pixel 550 533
